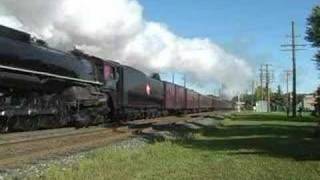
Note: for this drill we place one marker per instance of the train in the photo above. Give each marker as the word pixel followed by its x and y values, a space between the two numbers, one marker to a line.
pixel 43 88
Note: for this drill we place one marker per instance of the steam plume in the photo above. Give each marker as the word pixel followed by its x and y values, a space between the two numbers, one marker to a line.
pixel 117 30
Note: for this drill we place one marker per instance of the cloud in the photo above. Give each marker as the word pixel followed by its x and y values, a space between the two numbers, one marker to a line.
pixel 118 30
pixel 10 21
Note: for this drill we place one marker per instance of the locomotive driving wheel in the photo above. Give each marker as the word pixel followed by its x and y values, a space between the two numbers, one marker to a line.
pixel 4 127
pixel 57 119
pixel 62 116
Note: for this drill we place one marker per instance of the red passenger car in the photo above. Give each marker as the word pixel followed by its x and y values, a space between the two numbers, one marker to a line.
pixel 174 98
pixel 169 96
pixel 205 103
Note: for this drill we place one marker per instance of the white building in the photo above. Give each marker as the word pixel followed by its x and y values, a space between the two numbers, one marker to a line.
pixel 261 106
pixel 309 102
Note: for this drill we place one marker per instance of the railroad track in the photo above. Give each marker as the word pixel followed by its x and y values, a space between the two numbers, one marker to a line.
pixel 29 150
pixel 47 138
pixel 21 148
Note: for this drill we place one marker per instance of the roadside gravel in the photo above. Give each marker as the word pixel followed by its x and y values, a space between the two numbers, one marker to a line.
pixel 39 167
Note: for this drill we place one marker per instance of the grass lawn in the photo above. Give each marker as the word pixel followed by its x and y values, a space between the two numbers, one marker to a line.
pixel 275 116
pixel 234 150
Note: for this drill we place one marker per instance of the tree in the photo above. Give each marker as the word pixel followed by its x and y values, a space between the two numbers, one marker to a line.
pixel 317 106
pixel 313 32
pixel 313 35
pixel 278 100
pixel 279 91
pixel 261 93
pixel 247 100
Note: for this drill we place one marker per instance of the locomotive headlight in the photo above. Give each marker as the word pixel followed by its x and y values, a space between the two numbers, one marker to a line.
pixel 3 113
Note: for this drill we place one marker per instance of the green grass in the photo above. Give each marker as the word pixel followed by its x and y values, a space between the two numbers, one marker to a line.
pixel 275 116
pixel 235 150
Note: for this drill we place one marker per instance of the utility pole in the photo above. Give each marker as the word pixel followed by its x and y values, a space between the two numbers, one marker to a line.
pixel 239 103
pixel 287 75
pixel 265 77
pixel 261 82
pixel 268 82
pixel 253 93
pixel 293 48
pixel 294 87
pixel 185 80
pixel 267 86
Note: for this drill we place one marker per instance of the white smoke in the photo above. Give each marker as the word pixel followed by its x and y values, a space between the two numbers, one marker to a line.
pixel 117 30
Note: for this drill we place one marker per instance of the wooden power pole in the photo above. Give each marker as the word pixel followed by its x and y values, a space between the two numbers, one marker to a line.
pixel 261 82
pixel 268 81
pixel 253 93
pixel 293 48
pixel 287 75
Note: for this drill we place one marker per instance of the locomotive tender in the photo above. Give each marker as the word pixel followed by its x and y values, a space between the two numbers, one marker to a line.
pixel 42 88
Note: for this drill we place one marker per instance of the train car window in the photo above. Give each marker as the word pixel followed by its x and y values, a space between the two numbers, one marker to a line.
pixel 87 68
pixel 108 72
pixel 111 77
pixel 99 72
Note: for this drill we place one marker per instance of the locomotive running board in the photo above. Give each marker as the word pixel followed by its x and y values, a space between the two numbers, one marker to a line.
pixel 49 75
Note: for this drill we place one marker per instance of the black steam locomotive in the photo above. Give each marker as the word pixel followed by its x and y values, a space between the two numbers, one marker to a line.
pixel 42 88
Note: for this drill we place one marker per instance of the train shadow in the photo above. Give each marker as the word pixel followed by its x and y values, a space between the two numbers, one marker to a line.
pixel 286 141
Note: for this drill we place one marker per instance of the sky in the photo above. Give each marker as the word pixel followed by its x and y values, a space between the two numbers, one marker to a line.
pixel 253 30
pixel 121 30
pixel 211 42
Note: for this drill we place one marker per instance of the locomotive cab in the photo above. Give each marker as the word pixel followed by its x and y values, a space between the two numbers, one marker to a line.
pixel 105 71
pixel 110 77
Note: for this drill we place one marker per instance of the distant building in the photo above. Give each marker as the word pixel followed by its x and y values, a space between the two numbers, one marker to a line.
pixel 308 102
pixel 261 106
